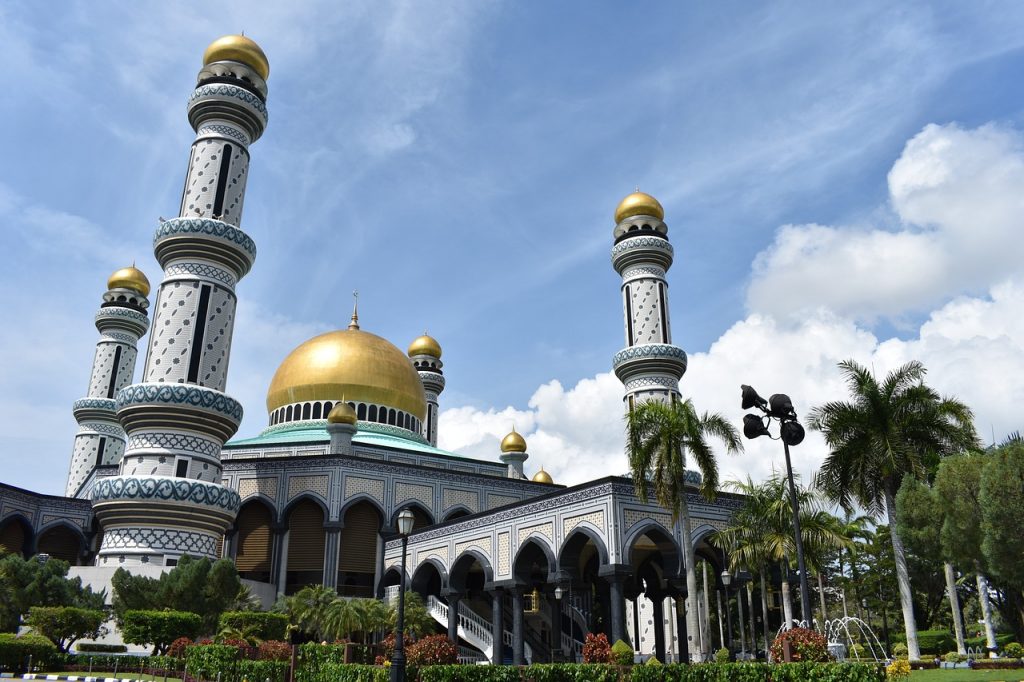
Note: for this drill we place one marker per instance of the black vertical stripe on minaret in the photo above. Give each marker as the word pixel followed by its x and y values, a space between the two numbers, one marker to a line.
pixel 629 318
pixel 430 421
pixel 188 173
pixel 197 336
pixel 99 450
pixel 114 373
pixel 222 180
pixel 664 315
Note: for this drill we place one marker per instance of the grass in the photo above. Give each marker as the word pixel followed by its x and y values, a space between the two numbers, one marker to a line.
pixel 965 675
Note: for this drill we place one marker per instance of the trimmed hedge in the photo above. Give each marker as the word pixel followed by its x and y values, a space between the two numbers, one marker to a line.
pixel 263 625
pixel 159 628
pixel 15 651
pixel 98 648
pixel 150 665
pixel 224 662
pixel 702 672
pixel 982 642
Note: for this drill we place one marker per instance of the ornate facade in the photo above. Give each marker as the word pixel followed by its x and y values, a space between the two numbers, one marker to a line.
pixel 516 568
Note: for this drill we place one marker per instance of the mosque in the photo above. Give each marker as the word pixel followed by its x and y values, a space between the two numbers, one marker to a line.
pixel 517 567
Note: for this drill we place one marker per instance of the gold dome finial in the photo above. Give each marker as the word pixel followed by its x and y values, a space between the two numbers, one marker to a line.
pixel 238 48
pixel 638 203
pixel 513 442
pixel 542 477
pixel 342 413
pixel 129 278
pixel 354 322
pixel 425 345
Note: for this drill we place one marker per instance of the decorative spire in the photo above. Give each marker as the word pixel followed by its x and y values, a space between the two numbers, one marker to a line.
pixel 354 322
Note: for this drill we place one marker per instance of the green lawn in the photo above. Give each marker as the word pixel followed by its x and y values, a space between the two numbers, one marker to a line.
pixel 966 675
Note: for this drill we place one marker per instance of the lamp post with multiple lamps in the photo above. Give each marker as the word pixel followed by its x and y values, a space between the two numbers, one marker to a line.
pixel 405 523
pixel 780 407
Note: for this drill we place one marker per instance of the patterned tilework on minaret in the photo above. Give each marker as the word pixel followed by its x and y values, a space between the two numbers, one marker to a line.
pixel 649 366
pixel 168 499
pixel 121 321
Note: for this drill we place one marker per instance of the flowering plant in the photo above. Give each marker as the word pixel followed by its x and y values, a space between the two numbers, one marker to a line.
pixel 807 645
pixel 596 648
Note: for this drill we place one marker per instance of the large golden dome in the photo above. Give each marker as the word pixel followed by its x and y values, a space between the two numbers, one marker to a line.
pixel 238 49
pixel 638 203
pixel 348 364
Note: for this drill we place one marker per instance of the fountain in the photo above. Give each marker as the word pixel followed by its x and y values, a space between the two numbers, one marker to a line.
pixel 840 638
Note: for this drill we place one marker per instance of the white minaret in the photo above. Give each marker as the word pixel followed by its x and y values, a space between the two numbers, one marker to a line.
pixel 121 321
pixel 168 499
pixel 425 353
pixel 341 426
pixel 649 366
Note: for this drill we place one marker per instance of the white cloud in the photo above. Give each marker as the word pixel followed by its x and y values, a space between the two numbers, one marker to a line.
pixel 972 347
pixel 957 199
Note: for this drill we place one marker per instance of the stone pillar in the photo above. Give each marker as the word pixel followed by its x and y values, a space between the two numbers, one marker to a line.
pixel 616 575
pixel 332 544
pixel 280 577
pixel 453 615
pixel 498 626
pixel 684 638
pixel 517 626
pixel 658 604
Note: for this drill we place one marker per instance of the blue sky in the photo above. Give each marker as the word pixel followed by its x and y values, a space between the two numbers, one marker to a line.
pixel 458 164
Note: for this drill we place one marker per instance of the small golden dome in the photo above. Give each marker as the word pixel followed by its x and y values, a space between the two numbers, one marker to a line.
pixel 342 413
pixel 129 278
pixel 638 203
pixel 351 364
pixel 542 477
pixel 513 442
pixel 238 49
pixel 425 345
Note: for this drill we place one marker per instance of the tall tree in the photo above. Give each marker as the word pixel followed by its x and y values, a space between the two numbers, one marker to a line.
pixel 886 431
pixel 661 437
pixel 1002 517
pixel 25 583
pixel 958 485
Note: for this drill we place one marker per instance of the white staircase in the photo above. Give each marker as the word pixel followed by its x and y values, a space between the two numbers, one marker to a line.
pixel 473 629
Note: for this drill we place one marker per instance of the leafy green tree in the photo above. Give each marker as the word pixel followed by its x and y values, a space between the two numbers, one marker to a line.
pixel 919 512
pixel 418 621
pixel 64 625
pixel 159 628
pixel 25 583
pixel 196 585
pixel 887 431
pixel 958 489
pixel 1002 517
pixel 660 439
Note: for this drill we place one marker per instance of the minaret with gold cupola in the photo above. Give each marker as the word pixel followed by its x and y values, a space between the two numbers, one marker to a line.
pixel 425 353
pixel 168 499
pixel 121 321
pixel 513 453
pixel 649 365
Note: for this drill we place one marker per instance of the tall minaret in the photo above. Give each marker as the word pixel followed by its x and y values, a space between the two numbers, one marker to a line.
pixel 649 367
pixel 121 321
pixel 425 353
pixel 168 499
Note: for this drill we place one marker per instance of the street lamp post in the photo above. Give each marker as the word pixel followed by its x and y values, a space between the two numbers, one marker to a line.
pixel 405 523
pixel 780 407
pixel 726 581
pixel 741 580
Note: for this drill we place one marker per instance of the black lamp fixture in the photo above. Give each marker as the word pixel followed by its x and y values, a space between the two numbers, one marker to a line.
pixel 779 407
pixel 406 520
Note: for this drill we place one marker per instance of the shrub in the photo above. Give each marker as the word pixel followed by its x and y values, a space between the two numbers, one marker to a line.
pixel 722 655
pixel 272 650
pixel 596 648
pixel 898 670
pixel 996 664
pixel 935 642
pixel 622 653
pixel 320 662
pixel 178 647
pixel 857 651
pixel 15 651
pixel 982 641
pixel 807 645
pixel 467 673
pixel 1013 650
pixel 653 660
pixel 899 649
pixel 158 628
pixel 64 625
pixel 953 657
pixel 97 648
pixel 432 650
pixel 259 624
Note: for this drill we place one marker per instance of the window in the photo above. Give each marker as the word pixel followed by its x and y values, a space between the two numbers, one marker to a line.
pixel 181 467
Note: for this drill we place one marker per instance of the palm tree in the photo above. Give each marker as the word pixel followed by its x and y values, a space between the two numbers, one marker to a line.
pixel 855 527
pixel 659 438
pixel 886 431
pixel 342 617
pixel 308 609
